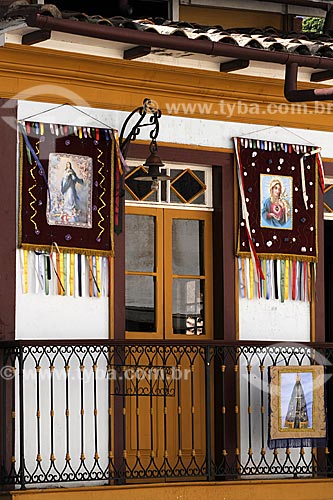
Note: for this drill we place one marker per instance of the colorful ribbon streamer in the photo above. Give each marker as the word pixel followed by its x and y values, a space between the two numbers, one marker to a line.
pixel 279 275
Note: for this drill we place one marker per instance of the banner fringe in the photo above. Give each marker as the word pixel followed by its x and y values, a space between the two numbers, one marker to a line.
pixel 82 251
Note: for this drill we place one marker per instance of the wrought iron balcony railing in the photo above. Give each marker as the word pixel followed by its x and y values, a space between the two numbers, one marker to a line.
pixel 112 412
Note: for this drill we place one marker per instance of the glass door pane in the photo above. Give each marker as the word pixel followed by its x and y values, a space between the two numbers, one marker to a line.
pixel 188 306
pixel 140 243
pixel 140 303
pixel 187 247
pixel 144 272
pixel 188 273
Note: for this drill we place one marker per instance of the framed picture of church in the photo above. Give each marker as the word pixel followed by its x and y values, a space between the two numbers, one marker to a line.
pixel 297 406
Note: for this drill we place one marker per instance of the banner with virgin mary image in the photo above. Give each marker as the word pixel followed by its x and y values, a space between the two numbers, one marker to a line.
pixel 66 188
pixel 277 234
pixel 278 185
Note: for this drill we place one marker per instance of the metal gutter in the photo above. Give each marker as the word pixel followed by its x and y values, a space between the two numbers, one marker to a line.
pixel 293 95
pixel 183 44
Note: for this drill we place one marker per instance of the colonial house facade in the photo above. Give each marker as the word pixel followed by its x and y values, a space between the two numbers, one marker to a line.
pixel 166 252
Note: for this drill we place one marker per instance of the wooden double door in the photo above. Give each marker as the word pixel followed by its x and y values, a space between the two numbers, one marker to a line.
pixel 168 297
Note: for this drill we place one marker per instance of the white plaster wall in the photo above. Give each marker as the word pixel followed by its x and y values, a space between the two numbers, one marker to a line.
pixel 67 317
pixel 267 320
pixel 57 317
pixel 256 436
pixel 64 429
pixel 259 319
pixel 183 130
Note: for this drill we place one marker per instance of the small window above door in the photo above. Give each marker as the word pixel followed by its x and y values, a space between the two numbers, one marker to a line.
pixel 190 185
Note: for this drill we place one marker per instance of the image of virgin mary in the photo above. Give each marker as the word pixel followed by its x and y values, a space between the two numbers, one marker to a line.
pixel 68 189
pixel 276 208
pixel 297 414
pixel 70 185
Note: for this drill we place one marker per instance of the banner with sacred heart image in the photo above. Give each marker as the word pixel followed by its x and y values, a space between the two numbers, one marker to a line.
pixel 278 209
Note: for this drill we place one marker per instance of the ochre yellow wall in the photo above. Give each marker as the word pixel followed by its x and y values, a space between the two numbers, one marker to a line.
pixel 229 18
pixel 38 74
pixel 287 489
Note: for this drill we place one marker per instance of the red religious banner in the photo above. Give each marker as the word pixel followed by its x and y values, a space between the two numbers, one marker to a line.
pixel 67 188
pixel 278 186
pixel 277 239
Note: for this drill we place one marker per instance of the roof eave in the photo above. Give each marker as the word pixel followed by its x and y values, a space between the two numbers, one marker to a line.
pixel 184 44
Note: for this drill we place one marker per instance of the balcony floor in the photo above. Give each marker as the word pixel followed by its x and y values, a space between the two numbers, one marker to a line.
pixel 300 489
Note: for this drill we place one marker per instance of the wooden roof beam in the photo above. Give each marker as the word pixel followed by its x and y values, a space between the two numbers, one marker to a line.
pixel 321 76
pixel 234 65
pixel 36 37
pixel 136 52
